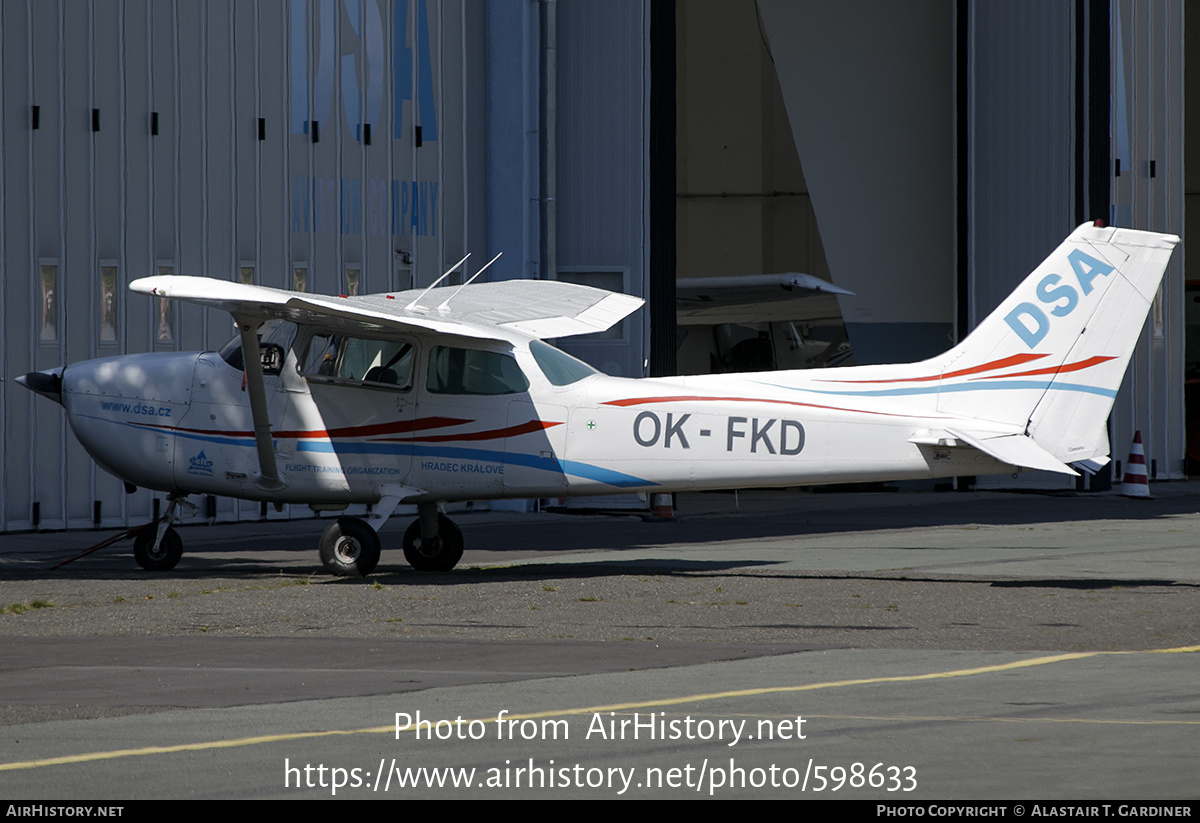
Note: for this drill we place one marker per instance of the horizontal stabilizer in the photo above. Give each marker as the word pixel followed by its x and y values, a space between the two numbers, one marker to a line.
pixel 1091 466
pixel 1014 449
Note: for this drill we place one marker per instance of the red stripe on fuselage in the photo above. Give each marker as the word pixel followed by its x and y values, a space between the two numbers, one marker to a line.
pixel 493 434
pixel 635 401
pixel 1015 360
pixel 1065 367
pixel 396 427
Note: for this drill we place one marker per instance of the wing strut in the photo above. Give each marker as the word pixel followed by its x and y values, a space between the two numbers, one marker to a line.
pixel 268 471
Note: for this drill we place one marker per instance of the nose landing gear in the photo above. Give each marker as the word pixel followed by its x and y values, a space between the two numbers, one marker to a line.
pixel 157 548
pixel 157 554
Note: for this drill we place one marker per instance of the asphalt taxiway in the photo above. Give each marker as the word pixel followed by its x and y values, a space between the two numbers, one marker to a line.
pixel 936 646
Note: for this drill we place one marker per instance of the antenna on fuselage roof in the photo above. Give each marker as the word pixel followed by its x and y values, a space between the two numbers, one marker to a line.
pixel 413 304
pixel 443 306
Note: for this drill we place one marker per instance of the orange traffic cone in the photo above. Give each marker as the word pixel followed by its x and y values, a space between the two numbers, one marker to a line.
pixel 1135 483
pixel 662 507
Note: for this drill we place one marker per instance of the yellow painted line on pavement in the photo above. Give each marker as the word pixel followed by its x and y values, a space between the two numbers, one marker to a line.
pixel 933 718
pixel 613 707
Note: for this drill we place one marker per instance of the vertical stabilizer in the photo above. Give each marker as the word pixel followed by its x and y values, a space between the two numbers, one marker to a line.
pixel 1051 357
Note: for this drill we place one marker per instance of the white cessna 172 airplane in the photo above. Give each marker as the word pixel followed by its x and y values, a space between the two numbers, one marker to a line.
pixel 450 394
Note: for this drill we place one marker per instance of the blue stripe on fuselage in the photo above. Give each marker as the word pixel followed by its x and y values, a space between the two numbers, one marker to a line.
pixel 550 464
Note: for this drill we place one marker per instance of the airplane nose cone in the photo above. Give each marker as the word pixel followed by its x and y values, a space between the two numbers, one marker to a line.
pixel 45 383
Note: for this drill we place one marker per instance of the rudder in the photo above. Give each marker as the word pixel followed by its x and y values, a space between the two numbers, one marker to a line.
pixel 1051 357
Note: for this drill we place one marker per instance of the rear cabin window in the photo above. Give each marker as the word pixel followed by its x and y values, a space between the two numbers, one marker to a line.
pixel 560 368
pixel 472 371
pixel 359 359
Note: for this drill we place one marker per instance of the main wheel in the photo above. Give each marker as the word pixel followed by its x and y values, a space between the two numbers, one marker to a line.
pixel 349 548
pixel 162 559
pixel 438 555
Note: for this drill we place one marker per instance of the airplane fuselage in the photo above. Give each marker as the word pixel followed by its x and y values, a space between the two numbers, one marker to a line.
pixel 181 422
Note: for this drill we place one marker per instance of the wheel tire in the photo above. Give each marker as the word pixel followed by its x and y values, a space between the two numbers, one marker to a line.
pixel 349 548
pixel 443 556
pixel 165 557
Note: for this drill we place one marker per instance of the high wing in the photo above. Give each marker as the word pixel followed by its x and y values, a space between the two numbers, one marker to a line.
pixel 502 311
pixel 488 311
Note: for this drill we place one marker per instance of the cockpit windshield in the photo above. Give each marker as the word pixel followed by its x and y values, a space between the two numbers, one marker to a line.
pixel 278 333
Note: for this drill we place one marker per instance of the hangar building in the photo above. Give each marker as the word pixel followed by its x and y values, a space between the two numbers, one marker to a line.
pixel 924 155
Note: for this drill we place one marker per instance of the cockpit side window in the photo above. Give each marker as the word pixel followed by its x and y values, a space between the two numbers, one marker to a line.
pixel 359 359
pixel 473 371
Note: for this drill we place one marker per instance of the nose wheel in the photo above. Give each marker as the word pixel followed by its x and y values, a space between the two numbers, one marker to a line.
pixel 349 548
pixel 158 547
pixel 157 555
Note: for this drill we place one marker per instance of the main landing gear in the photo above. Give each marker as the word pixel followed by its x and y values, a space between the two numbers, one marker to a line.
pixel 349 548
pixel 433 543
